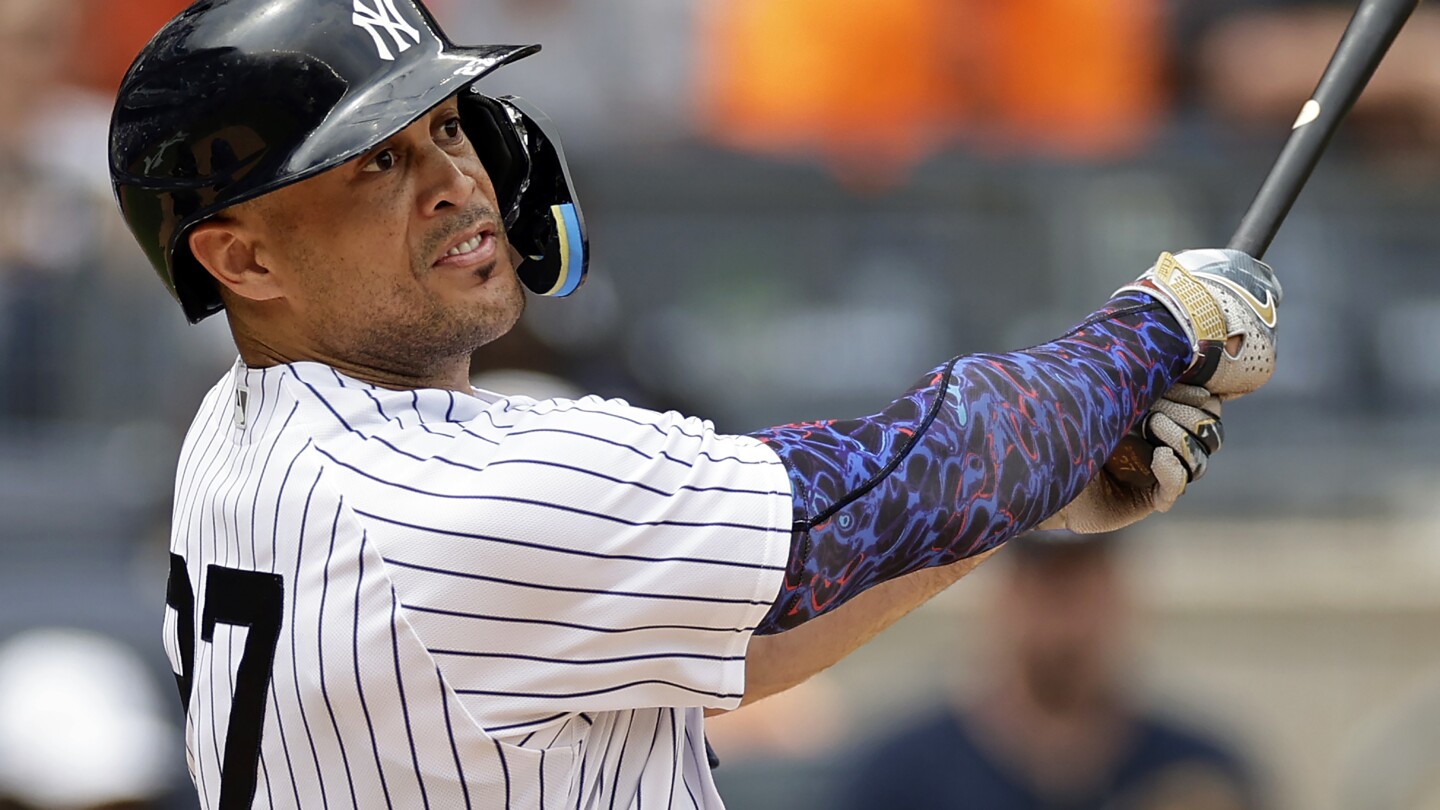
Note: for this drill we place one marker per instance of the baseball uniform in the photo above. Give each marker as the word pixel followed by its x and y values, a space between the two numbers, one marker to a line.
pixel 471 601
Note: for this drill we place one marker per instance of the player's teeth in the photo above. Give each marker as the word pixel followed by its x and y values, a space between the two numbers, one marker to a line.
pixel 466 247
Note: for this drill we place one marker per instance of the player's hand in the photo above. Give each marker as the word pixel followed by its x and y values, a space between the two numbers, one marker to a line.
pixel 1226 302
pixel 1150 469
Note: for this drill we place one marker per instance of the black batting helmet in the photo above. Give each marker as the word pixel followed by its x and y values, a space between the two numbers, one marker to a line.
pixel 236 98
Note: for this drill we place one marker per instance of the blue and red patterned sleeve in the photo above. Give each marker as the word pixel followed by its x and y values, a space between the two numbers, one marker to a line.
pixel 982 449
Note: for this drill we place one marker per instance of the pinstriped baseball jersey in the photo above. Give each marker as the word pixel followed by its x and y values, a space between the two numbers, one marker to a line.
pixel 424 599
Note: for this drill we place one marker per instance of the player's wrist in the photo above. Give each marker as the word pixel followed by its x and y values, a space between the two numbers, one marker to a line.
pixel 1225 302
pixel 1194 308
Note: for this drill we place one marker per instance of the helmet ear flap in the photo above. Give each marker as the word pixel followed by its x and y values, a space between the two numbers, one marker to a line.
pixel 497 143
pixel 532 184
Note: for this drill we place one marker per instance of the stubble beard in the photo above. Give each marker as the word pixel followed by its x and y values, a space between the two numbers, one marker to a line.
pixel 416 336
pixel 437 336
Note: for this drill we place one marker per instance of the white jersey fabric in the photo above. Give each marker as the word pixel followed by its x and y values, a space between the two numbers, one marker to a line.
pixel 488 601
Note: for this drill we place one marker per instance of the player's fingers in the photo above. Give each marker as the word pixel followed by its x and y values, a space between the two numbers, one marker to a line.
pixel 1170 478
pixel 1193 395
pixel 1185 446
pixel 1199 423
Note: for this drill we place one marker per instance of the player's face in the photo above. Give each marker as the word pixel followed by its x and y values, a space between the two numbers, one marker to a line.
pixel 397 260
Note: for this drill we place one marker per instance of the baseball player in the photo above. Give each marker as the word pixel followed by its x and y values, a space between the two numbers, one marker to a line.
pixel 389 589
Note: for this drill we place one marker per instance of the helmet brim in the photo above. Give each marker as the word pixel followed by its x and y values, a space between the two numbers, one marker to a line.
pixel 377 112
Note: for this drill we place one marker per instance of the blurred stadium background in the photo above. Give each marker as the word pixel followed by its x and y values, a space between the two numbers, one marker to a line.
pixel 797 207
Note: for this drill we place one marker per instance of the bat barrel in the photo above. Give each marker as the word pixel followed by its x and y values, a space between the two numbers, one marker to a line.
pixel 1367 37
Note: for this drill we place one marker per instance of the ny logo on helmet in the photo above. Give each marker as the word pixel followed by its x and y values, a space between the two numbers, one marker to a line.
pixel 384 16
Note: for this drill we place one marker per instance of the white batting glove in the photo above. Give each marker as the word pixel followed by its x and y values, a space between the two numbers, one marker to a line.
pixel 1151 468
pixel 1220 297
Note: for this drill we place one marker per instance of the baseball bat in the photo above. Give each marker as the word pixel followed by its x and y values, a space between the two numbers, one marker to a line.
pixel 1368 36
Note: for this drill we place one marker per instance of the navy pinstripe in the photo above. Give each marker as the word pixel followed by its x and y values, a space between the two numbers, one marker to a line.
pixel 546 566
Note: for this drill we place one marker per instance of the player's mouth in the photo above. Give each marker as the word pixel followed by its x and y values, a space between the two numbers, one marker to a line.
pixel 475 247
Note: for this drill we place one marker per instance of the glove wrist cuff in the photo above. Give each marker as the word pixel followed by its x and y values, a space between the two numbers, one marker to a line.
pixel 1187 299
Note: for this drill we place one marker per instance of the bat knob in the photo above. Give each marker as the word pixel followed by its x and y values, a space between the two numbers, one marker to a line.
pixel 1130 462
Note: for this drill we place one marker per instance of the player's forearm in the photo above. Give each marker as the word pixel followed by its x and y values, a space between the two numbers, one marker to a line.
pixel 775 663
pixel 982 449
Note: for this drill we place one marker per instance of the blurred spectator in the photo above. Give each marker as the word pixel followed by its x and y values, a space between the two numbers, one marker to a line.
pixel 83 334
pixel 1253 63
pixel 80 726
pixel 45 220
pixel 876 86
pixel 36 37
pixel 1071 80
pixel 871 89
pixel 1054 725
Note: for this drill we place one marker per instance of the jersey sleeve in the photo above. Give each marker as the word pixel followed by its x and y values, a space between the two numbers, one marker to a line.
pixel 593 557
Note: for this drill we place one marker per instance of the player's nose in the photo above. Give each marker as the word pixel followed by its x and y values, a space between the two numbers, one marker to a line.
pixel 448 180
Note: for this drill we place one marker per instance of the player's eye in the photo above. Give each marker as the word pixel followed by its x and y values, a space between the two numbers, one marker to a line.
pixel 451 129
pixel 382 161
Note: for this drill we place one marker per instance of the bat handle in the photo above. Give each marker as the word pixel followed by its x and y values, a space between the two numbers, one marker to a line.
pixel 1130 462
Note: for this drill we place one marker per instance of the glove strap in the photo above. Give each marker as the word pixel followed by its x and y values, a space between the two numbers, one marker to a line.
pixel 1187 299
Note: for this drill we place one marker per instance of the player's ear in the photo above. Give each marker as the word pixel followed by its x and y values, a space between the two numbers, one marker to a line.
pixel 227 249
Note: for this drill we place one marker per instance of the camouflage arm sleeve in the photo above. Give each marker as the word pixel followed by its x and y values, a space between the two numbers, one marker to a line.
pixel 981 449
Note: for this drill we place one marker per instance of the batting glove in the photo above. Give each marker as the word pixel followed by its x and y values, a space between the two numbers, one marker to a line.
pixel 1225 301
pixel 1150 470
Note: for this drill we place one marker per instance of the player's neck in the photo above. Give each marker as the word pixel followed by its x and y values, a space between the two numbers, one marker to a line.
pixel 452 374
pixel 452 377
